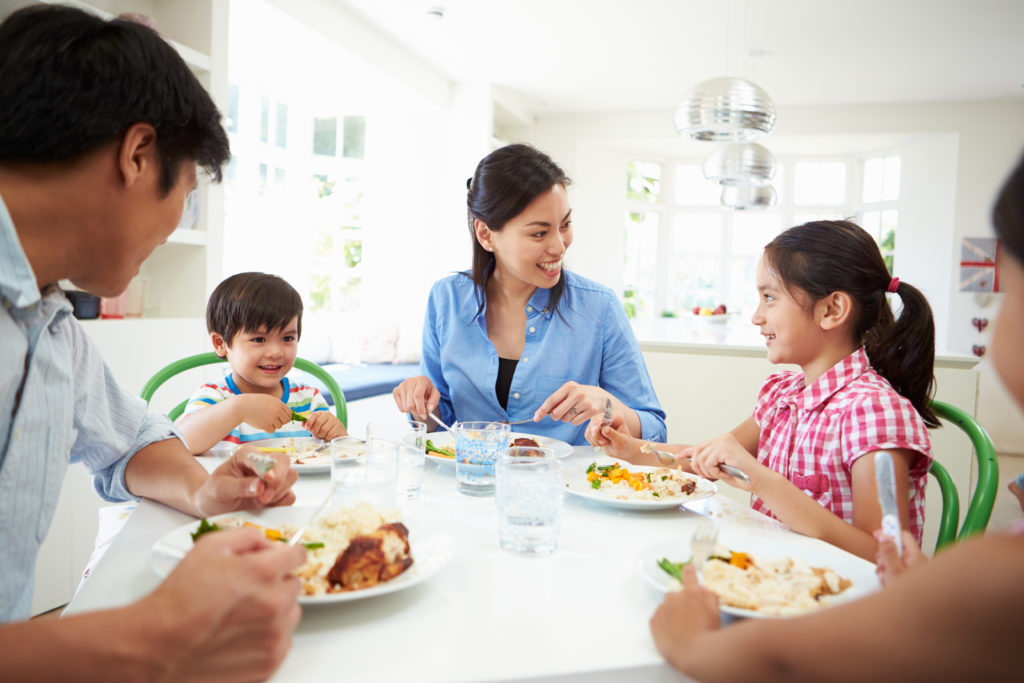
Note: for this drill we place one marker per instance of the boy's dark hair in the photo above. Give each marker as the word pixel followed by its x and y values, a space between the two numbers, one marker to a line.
pixel 504 184
pixel 1008 213
pixel 822 257
pixel 252 301
pixel 71 82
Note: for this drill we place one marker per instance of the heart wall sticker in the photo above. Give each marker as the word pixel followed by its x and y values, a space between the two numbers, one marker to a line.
pixel 979 323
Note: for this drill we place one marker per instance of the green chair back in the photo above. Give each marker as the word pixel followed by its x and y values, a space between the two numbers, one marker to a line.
pixel 979 510
pixel 209 358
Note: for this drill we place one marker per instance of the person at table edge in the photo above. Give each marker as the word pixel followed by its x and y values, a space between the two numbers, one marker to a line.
pixel 101 127
pixel 519 337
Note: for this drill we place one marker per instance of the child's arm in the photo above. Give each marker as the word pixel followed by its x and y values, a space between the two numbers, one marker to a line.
pixel 956 618
pixel 204 428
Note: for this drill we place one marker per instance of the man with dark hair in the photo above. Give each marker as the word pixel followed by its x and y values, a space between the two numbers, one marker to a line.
pixel 101 128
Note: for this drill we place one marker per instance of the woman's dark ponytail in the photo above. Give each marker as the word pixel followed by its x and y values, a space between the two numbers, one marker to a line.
pixel 822 257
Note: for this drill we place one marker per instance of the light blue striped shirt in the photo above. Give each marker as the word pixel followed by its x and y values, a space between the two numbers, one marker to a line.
pixel 591 343
pixel 60 405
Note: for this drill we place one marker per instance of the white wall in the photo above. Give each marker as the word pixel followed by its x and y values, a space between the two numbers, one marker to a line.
pixel 956 156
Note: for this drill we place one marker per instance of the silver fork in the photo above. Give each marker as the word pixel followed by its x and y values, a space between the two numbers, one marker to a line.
pixel 702 543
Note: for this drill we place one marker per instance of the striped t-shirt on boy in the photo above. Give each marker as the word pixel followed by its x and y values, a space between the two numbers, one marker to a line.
pixel 301 398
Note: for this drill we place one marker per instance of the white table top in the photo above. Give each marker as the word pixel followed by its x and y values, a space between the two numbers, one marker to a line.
pixel 579 614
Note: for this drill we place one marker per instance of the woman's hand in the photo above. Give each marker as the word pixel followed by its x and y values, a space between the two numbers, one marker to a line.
pixel 575 403
pixel 417 395
pixel 889 564
pixel 235 485
pixel 323 425
pixel 263 411
pixel 683 615
pixel 724 449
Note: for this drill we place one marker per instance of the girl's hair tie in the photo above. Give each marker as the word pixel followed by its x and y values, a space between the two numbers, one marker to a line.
pixel 894 284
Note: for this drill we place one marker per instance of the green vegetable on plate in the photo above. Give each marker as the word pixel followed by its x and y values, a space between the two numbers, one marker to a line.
pixel 673 568
pixel 205 527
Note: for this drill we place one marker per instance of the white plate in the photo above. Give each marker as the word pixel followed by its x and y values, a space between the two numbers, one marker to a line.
pixel 816 553
pixel 577 484
pixel 319 464
pixel 429 554
pixel 444 439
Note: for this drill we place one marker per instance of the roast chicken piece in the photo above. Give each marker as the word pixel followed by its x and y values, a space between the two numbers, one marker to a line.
pixel 372 558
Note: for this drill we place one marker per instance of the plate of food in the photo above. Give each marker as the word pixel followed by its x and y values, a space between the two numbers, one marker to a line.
pixel 352 553
pixel 764 576
pixel 441 445
pixel 300 450
pixel 635 487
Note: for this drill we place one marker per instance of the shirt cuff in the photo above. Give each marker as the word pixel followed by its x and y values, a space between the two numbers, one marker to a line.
pixel 110 484
pixel 652 428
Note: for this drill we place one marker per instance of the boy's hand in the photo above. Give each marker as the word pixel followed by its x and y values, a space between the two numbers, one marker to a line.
pixel 264 412
pixel 323 425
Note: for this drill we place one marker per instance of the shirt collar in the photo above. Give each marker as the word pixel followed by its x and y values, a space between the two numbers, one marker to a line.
pixel 540 303
pixel 17 281
pixel 838 376
pixel 285 386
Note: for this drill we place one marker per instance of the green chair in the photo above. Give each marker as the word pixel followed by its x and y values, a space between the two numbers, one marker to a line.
pixel 980 508
pixel 209 358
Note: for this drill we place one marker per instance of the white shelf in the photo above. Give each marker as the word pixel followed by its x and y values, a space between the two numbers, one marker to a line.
pixel 190 237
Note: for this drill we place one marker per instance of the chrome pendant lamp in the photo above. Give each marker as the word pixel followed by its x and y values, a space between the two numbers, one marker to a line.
pixel 742 163
pixel 744 197
pixel 725 110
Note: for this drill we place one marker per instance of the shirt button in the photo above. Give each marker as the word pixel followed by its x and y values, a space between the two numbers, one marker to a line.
pixel 533 329
pixel 529 309
pixel 515 395
pixel 525 359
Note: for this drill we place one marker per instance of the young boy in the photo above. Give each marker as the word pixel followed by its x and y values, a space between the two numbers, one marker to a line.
pixel 255 320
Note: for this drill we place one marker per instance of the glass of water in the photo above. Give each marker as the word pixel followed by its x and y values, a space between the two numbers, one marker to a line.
pixel 477 447
pixel 411 437
pixel 348 466
pixel 529 499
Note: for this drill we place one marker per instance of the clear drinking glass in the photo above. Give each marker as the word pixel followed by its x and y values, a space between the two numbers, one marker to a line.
pixel 529 500
pixel 411 437
pixel 348 466
pixel 477 447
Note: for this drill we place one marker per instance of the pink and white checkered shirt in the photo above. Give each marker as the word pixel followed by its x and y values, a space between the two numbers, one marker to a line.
pixel 812 435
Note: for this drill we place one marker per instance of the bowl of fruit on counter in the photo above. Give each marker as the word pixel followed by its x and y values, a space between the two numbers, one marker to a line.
pixel 719 314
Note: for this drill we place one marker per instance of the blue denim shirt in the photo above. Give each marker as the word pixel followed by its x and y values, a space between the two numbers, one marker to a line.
pixel 61 405
pixel 591 343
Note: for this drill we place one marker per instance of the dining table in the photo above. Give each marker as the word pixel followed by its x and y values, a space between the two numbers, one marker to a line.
pixel 579 614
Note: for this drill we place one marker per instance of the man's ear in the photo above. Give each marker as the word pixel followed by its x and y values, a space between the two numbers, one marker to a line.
pixel 220 347
pixel 834 310
pixel 483 234
pixel 138 155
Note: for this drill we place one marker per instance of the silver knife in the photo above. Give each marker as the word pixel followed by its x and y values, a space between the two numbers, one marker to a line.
pixel 885 478
pixel 608 414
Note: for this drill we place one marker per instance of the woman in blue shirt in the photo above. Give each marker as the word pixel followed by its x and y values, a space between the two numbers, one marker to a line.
pixel 519 337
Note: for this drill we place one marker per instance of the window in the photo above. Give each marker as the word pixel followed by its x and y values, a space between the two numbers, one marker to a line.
pixel 685 250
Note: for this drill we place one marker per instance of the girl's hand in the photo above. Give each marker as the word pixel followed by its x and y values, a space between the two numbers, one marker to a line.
pixel 889 563
pixel 263 411
pixel 323 425
pixel 619 445
pixel 417 395
pixel 683 615
pixel 724 449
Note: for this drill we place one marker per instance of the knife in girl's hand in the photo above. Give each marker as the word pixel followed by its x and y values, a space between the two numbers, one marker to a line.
pixel 886 480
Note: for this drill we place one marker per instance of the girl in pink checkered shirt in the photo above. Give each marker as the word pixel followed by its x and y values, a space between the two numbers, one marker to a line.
pixel 865 386
pixel 956 618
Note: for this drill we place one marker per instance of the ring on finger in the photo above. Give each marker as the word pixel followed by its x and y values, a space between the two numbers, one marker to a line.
pixel 574 411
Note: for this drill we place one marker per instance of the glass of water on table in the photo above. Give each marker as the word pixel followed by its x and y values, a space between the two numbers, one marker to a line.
pixel 529 499
pixel 477 448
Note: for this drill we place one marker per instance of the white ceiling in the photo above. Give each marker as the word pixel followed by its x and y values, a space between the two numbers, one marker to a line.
pixel 615 55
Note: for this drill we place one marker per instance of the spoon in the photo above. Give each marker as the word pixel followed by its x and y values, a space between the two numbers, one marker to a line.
pixel 670 459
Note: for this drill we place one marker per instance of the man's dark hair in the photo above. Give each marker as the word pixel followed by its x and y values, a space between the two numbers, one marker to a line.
pixel 248 302
pixel 71 82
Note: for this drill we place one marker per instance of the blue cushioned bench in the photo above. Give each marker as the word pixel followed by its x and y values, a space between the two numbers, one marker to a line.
pixel 363 380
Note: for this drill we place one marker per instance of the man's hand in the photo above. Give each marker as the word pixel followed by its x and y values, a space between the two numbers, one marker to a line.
pixel 684 615
pixel 227 611
pixel 323 425
pixel 235 485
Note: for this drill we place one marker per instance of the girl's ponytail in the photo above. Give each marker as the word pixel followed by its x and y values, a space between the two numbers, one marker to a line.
pixel 822 257
pixel 903 350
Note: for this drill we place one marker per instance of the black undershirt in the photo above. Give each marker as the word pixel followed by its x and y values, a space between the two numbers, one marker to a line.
pixel 506 368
